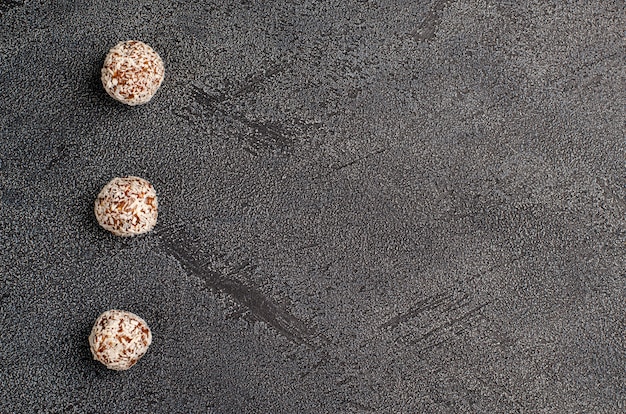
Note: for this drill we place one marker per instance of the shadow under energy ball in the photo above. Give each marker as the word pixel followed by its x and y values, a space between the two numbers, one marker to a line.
pixel 132 72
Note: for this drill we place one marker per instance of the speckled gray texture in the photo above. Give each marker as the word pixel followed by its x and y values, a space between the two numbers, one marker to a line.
pixel 365 206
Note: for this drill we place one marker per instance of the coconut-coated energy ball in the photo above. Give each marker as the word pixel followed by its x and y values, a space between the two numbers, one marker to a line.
pixel 118 339
pixel 132 72
pixel 127 206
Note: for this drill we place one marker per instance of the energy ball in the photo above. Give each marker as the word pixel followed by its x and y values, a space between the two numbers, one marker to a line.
pixel 118 339
pixel 132 72
pixel 127 206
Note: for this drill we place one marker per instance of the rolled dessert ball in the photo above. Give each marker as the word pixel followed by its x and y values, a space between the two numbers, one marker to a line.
pixel 132 72
pixel 127 206
pixel 119 339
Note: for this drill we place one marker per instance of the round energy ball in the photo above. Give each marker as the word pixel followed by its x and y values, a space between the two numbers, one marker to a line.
pixel 132 72
pixel 118 339
pixel 127 206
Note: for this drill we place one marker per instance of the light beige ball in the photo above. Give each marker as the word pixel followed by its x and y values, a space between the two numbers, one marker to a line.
pixel 118 339
pixel 132 72
pixel 127 206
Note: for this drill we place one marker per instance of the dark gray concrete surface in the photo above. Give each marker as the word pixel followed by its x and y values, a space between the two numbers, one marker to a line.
pixel 366 206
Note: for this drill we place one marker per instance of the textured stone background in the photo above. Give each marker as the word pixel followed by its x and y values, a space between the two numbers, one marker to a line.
pixel 366 206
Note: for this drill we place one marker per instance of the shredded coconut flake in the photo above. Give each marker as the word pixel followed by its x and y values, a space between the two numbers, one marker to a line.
pixel 118 339
pixel 127 206
pixel 132 72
